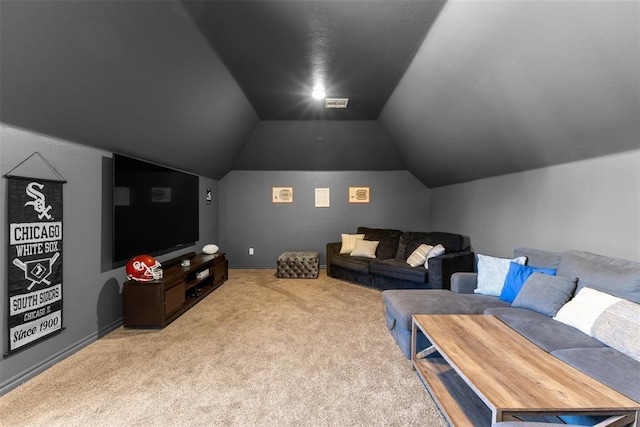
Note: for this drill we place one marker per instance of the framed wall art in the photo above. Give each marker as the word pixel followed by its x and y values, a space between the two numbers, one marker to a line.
pixel 359 195
pixel 322 198
pixel 282 194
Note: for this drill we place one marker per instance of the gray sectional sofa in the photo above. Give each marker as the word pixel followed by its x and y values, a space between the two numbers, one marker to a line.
pixel 389 268
pixel 616 277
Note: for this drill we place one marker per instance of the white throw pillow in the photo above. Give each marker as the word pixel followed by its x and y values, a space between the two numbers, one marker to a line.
pixel 584 309
pixel 365 248
pixel 491 273
pixel 349 242
pixel 437 250
pixel 419 256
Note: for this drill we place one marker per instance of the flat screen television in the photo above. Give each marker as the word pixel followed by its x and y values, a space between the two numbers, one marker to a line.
pixel 155 209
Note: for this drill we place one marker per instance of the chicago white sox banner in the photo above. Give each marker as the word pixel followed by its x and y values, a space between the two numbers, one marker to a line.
pixel 35 260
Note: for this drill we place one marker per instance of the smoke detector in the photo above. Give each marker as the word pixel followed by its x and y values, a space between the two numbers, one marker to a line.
pixel 336 102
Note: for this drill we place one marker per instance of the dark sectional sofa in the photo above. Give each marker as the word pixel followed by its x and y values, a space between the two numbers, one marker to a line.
pixel 616 277
pixel 389 269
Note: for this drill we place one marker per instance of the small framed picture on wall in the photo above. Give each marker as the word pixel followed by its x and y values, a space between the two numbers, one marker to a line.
pixel 322 198
pixel 359 195
pixel 282 194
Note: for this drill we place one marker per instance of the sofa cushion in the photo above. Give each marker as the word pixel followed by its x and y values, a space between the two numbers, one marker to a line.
pixel 606 365
pixel 492 272
pixel 355 263
pixel 349 242
pixel 545 294
pixel 539 257
pixel 404 303
pixel 542 330
pixel 398 269
pixel 517 276
pixel 464 282
pixel 388 239
pixel 410 240
pixel 611 275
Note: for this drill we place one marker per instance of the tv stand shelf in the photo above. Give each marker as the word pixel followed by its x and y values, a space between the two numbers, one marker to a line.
pixel 156 304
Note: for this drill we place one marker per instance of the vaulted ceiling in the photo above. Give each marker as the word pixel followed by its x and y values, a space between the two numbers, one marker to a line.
pixel 278 50
pixel 451 91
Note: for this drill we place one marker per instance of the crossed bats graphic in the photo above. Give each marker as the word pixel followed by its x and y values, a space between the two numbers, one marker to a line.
pixel 22 266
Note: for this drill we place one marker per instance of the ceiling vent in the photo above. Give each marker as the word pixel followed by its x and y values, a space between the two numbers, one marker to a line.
pixel 336 102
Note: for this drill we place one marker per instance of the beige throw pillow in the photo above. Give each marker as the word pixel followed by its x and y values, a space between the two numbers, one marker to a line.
pixel 419 256
pixel 349 242
pixel 365 248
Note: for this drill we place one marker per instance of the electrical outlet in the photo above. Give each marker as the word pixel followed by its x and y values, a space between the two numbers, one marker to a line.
pixel 250 251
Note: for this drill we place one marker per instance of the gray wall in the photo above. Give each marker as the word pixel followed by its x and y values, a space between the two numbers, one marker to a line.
pixel 361 145
pixel 92 299
pixel 135 77
pixel 591 205
pixel 248 218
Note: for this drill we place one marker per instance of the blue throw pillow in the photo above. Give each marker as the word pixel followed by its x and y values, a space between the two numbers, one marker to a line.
pixel 517 275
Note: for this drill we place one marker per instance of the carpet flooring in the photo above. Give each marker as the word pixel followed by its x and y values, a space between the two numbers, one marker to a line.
pixel 259 351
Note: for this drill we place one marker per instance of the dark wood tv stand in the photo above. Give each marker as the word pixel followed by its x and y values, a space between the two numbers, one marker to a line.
pixel 156 304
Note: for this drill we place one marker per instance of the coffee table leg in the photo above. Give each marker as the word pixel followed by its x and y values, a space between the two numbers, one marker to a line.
pixel 415 355
pixel 414 339
pixel 496 416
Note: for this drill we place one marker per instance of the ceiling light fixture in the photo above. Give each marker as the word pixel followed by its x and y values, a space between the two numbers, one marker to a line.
pixel 318 91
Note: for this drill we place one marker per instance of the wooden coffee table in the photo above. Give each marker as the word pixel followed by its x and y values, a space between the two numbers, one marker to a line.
pixel 486 372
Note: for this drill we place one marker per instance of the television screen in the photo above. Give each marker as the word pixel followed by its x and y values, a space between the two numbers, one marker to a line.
pixel 155 209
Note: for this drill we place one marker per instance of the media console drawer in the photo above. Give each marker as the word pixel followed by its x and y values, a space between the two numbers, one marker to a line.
pixel 174 298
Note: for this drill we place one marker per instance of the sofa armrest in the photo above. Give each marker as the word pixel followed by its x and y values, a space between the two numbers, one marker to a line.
pixel 464 283
pixel 442 267
pixel 332 248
